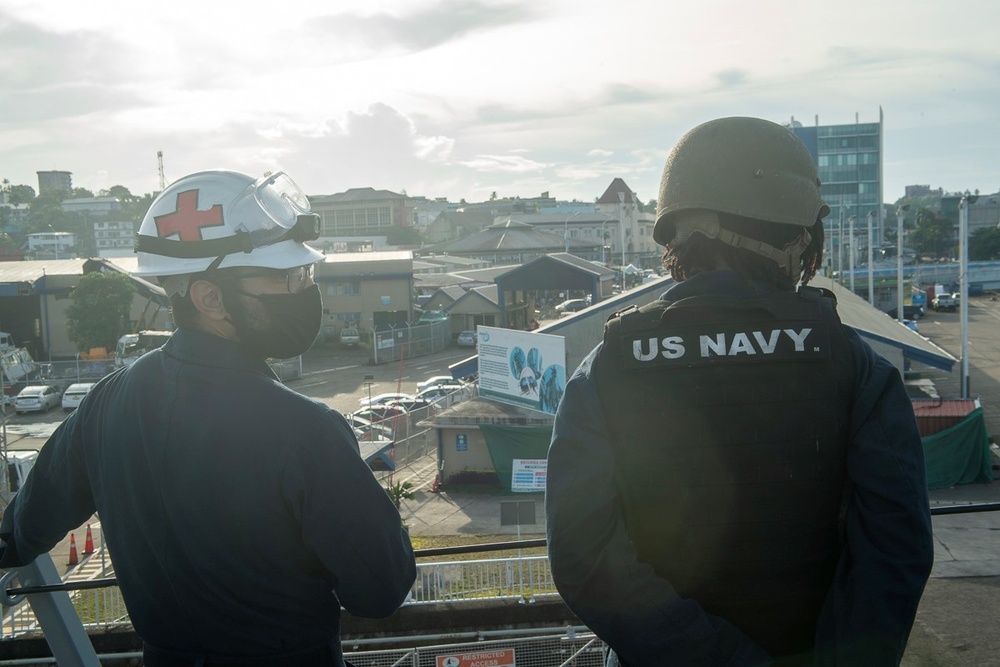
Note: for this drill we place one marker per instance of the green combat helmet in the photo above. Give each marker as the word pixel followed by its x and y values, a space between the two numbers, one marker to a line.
pixel 748 167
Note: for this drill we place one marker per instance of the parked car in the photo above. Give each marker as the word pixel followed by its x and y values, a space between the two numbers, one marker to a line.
pixel 381 412
pixel 944 302
pixel 37 398
pixel 368 430
pixel 466 339
pixel 74 394
pixel 437 380
pixel 349 336
pixel 571 305
pixel 438 392
pixel 411 404
pixel 910 312
pixel 381 398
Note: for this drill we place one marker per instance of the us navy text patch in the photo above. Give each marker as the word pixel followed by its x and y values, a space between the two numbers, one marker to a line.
pixel 726 343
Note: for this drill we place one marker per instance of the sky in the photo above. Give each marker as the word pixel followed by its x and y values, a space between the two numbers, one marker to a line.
pixel 462 99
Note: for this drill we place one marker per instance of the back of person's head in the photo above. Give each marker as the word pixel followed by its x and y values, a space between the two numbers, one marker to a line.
pixel 741 193
pixel 211 222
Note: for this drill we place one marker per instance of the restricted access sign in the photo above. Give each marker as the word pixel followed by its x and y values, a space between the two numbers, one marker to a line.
pixel 498 658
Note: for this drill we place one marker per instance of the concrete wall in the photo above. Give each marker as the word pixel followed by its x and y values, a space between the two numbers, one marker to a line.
pixel 476 455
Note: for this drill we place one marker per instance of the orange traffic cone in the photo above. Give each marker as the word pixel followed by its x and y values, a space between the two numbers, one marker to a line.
pixel 88 543
pixel 74 559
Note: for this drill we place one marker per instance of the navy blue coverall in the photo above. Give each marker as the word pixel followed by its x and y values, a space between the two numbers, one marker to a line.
pixel 239 514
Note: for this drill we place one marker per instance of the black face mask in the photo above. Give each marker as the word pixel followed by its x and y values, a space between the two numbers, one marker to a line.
pixel 295 322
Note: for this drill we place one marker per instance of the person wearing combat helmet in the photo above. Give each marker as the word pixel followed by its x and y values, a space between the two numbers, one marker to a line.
pixel 239 514
pixel 735 477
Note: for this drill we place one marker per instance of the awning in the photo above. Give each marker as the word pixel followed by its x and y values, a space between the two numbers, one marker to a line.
pixel 378 454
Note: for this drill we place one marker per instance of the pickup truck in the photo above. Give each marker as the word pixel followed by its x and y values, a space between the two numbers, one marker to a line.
pixel 944 301
pixel 349 336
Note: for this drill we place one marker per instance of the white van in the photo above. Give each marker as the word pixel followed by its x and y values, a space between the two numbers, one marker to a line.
pixel 19 464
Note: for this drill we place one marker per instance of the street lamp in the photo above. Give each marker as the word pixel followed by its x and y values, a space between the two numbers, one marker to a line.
pixel 963 274
pixel 566 231
pixel 871 259
pixel 605 247
pixel 850 224
pixel 900 213
pixel 55 240
pixel 369 379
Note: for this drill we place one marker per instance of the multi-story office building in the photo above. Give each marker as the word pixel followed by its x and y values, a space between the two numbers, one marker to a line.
pixel 54 181
pixel 849 160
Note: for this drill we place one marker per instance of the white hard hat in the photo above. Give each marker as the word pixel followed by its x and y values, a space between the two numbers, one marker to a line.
pixel 221 219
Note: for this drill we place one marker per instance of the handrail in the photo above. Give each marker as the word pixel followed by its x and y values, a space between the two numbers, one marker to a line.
pixel 419 553
pixel 442 551
pixel 71 645
pixel 964 509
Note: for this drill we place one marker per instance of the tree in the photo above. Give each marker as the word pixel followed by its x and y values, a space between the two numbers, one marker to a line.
pixel 932 234
pixel 99 314
pixel 397 235
pixel 120 192
pixel 19 194
pixel 398 492
pixel 984 244
pixel 45 210
pixel 134 208
pixel 80 193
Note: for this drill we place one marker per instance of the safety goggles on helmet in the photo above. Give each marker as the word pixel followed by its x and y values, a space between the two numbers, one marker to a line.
pixel 296 279
pixel 269 210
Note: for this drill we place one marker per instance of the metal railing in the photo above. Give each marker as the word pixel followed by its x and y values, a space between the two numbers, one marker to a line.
pixel 97 603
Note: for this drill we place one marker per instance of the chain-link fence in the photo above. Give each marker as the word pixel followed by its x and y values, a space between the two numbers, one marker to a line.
pixel 64 373
pixel 395 343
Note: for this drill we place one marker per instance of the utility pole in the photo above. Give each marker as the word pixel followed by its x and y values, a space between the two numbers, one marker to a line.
pixel 871 261
pixel 159 161
pixel 963 275
pixel 900 213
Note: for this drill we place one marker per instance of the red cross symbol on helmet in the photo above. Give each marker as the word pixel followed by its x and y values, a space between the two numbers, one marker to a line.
pixel 187 221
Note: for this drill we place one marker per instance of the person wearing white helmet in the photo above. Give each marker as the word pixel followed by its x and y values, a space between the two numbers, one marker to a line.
pixel 239 514
pixel 735 477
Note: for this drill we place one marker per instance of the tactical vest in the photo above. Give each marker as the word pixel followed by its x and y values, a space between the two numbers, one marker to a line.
pixel 730 425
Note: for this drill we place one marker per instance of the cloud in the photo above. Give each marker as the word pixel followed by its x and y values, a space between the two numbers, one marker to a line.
pixel 421 29
pixel 45 75
pixel 731 78
pixel 511 164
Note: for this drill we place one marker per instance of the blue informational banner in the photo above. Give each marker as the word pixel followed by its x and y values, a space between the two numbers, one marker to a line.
pixel 461 442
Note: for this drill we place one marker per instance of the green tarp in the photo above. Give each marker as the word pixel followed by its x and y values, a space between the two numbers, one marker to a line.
pixel 959 454
pixel 507 443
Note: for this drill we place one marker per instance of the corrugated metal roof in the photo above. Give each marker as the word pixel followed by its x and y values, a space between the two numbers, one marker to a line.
pixel 873 324
pixel 30 271
pixel 953 407
pixel 935 415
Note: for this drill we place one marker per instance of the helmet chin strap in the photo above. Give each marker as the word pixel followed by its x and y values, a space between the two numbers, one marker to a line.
pixel 789 258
